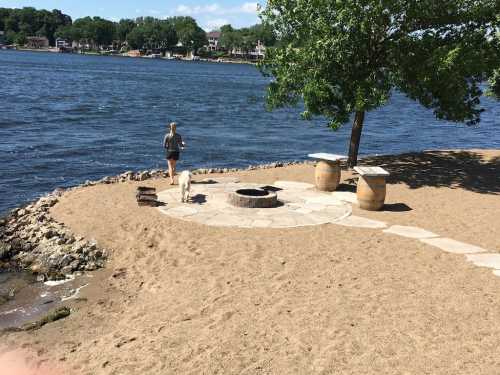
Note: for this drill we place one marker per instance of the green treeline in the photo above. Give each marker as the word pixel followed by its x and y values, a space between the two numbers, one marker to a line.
pixel 21 23
pixel 146 33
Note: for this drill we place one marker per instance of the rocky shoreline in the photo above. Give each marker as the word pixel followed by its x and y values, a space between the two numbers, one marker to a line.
pixel 31 240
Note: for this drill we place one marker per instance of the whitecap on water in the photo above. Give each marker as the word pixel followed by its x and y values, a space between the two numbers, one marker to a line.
pixel 59 282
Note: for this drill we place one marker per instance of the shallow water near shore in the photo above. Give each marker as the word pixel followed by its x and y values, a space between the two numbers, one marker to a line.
pixel 23 299
pixel 68 118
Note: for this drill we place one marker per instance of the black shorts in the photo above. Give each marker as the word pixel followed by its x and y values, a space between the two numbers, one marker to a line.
pixel 173 155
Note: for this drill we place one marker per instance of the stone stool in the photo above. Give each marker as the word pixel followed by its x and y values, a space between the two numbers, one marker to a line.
pixel 371 189
pixel 327 173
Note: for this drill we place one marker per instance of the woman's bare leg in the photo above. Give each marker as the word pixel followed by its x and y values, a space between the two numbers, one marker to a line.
pixel 171 170
pixel 174 165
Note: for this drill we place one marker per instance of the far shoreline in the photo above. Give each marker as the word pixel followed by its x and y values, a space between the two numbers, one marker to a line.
pixel 212 61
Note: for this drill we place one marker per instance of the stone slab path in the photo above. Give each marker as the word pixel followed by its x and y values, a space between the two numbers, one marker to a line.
pixel 410 232
pixel 452 246
pixel 361 222
pixel 486 260
pixel 301 205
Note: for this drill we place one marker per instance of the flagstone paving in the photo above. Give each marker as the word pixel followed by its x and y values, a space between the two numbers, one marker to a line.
pixel 301 205
pixel 361 222
pixel 452 246
pixel 485 260
pixel 410 232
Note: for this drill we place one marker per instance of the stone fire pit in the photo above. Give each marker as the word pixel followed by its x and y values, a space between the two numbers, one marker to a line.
pixel 292 204
pixel 253 198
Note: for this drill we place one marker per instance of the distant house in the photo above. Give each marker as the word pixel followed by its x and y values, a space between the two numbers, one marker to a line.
pixel 257 52
pixel 2 38
pixel 213 40
pixel 37 42
pixel 62 43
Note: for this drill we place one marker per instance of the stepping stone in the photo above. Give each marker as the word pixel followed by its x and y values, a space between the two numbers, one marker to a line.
pixel 261 223
pixel 293 185
pixel 319 218
pixel 285 221
pixel 314 206
pixel 410 232
pixel 305 220
pixel 290 196
pixel 325 200
pixel 452 246
pixel 337 213
pixel 486 260
pixel 304 211
pixel 361 222
pixel 345 196
pixel 242 221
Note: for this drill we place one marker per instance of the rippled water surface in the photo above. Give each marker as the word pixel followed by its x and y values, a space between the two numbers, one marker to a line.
pixel 68 118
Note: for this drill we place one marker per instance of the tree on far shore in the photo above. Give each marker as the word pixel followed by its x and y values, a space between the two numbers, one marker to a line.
pixel 343 59
pixel 153 34
pixel 28 21
pixel 191 36
pixel 123 28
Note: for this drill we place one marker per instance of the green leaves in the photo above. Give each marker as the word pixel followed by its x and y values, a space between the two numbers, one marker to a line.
pixel 345 57
pixel 20 23
pixel 152 33
pixel 189 33
pixel 494 82
pixel 341 57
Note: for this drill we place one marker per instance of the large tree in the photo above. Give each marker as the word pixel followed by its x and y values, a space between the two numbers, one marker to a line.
pixel 152 33
pixel 31 22
pixel 95 31
pixel 191 36
pixel 123 28
pixel 230 38
pixel 344 58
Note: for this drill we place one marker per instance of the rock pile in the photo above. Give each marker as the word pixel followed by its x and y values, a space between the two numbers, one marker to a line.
pixel 157 173
pixel 31 239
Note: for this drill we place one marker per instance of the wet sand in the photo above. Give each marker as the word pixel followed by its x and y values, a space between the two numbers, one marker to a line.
pixel 184 298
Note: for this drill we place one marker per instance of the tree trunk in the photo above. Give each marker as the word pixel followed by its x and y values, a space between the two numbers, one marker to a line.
pixel 357 127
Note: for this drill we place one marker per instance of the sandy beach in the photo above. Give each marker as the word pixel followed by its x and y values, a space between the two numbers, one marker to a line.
pixel 178 297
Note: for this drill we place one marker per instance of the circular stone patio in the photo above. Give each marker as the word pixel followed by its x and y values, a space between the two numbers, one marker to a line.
pixel 300 205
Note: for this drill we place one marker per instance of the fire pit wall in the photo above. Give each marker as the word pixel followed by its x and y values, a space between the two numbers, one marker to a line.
pixel 253 198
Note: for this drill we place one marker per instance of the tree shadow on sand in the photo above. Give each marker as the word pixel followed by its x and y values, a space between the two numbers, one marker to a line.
pixel 455 169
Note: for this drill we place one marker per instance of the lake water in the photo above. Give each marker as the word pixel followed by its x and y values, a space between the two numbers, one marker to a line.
pixel 65 119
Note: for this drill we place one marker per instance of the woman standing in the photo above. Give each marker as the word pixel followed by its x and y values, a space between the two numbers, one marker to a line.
pixel 173 144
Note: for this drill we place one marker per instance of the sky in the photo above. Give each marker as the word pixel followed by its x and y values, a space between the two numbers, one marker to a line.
pixel 210 14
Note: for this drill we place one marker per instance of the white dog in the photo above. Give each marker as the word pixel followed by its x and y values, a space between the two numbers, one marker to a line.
pixel 185 185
